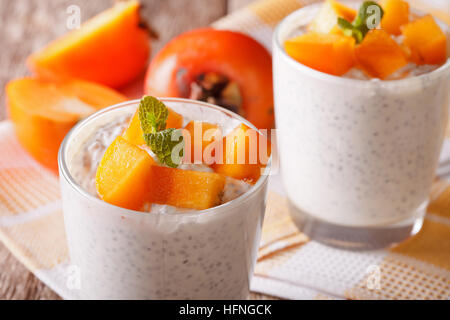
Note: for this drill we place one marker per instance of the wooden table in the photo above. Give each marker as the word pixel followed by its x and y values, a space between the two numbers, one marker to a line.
pixel 29 24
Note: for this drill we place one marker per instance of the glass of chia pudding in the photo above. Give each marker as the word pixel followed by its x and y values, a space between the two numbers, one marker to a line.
pixel 361 116
pixel 188 230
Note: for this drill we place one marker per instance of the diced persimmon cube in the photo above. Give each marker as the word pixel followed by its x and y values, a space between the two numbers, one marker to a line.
pixel 198 135
pixel 124 175
pixel 185 188
pixel 379 55
pixel 343 11
pixel 174 120
pixel 326 18
pixel 396 14
pixel 329 53
pixel 133 133
pixel 336 30
pixel 245 153
pixel 426 40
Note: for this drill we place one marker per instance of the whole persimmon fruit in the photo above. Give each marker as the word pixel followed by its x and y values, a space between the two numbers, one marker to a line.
pixel 222 67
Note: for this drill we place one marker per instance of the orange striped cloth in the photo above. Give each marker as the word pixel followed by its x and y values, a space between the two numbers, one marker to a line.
pixel 289 266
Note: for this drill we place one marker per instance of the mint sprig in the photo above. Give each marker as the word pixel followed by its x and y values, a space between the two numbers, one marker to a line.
pixel 350 30
pixel 152 114
pixel 368 17
pixel 166 144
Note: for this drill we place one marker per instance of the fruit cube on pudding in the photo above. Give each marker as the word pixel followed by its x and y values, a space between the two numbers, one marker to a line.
pixel 124 175
pixel 43 112
pixel 329 53
pixel 426 41
pixel 133 133
pixel 379 55
pixel 185 188
pixel 243 154
pixel 396 14
pixel 326 18
pixel 197 136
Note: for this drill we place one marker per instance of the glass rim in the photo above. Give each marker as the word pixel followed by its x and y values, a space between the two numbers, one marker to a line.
pixel 224 207
pixel 276 44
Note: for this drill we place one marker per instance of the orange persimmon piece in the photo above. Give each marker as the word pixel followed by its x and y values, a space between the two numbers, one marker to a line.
pixel 379 55
pixel 43 112
pixel 396 14
pixel 112 49
pixel 91 93
pixel 174 120
pixel 336 30
pixel 329 53
pixel 198 135
pixel 426 40
pixel 133 133
pixel 243 154
pixel 326 18
pixel 343 11
pixel 185 188
pixel 124 175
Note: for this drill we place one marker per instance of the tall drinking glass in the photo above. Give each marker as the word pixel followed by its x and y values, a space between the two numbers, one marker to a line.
pixel 358 157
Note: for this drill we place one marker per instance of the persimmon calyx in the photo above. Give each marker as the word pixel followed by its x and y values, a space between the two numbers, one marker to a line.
pixel 217 89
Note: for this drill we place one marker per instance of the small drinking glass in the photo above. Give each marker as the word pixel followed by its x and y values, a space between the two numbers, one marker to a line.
pixel 125 254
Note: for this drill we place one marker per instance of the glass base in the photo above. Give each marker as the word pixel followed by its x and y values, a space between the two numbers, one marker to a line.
pixel 357 238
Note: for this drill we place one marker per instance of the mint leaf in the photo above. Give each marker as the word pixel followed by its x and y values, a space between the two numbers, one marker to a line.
pixel 369 17
pixel 344 24
pixel 167 145
pixel 152 114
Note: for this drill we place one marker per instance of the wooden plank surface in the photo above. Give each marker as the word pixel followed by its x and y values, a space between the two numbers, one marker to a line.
pixel 29 24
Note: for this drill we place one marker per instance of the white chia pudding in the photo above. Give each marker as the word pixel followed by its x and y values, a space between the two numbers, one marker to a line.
pixel 167 253
pixel 357 152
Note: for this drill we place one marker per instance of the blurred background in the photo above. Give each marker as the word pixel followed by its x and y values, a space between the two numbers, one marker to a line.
pixel 27 25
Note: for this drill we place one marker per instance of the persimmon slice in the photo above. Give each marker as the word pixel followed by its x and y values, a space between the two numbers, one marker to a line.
pixel 426 40
pixel 124 175
pixel 379 55
pixel 91 93
pixel 133 133
pixel 43 112
pixel 112 49
pixel 329 53
pixel 243 154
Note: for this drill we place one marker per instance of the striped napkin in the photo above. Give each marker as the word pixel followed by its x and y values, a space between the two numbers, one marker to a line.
pixel 289 266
